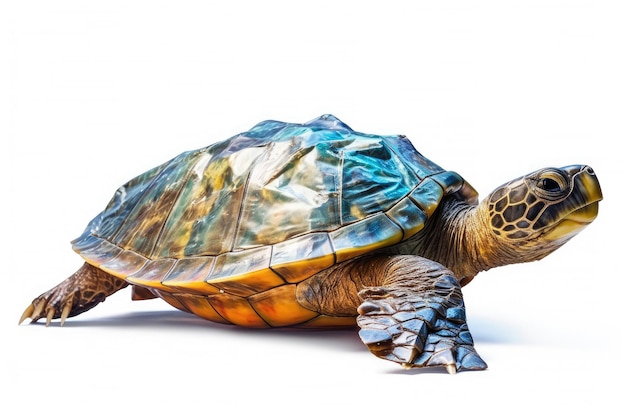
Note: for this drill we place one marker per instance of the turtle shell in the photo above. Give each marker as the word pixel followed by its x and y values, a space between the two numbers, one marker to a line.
pixel 247 218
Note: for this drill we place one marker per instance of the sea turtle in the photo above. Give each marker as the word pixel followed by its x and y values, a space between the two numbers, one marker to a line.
pixel 316 225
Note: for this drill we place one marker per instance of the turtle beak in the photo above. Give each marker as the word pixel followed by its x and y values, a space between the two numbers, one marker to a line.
pixel 588 183
pixel 585 197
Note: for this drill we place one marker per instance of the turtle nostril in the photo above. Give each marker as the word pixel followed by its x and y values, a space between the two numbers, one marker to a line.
pixel 590 171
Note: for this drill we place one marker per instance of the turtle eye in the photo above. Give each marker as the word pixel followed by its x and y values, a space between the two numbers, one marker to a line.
pixel 551 183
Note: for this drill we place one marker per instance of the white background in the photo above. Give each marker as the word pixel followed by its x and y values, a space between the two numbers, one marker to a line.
pixel 94 93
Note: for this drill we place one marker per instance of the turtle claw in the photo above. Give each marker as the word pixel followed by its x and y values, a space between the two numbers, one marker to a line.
pixel 27 314
pixel 82 291
pixel 50 307
pixel 65 313
pixel 33 311
pixel 451 368
pixel 49 317
pixel 38 309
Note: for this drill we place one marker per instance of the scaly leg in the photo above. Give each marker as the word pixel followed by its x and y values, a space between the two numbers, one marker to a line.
pixel 411 309
pixel 417 318
pixel 80 292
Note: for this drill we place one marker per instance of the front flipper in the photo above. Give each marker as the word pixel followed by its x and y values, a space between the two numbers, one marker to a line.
pixel 419 323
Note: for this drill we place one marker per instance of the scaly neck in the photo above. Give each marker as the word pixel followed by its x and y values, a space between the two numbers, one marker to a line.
pixel 459 237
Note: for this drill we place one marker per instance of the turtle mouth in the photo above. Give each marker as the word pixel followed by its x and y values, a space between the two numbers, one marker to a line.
pixel 585 214
pixel 574 222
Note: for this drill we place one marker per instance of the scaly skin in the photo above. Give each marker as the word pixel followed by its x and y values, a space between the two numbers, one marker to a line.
pixel 82 291
pixel 411 309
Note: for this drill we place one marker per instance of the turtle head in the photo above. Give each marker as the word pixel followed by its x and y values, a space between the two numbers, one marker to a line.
pixel 537 213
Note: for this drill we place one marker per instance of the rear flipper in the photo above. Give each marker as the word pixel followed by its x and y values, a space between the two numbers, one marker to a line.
pixel 82 291
pixel 423 326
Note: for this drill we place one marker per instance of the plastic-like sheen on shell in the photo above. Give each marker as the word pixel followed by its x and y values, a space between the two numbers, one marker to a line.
pixel 264 209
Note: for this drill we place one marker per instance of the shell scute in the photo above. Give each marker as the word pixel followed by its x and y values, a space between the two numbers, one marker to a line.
pixel 122 204
pixel 245 272
pixel 200 306
pixel 235 309
pixel 152 273
pixel 190 274
pixel 141 228
pixel 126 263
pixel 299 258
pixel 364 236
pixel 373 177
pixel 279 307
pixel 427 196
pixel 408 216
pixel 98 251
pixel 292 191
